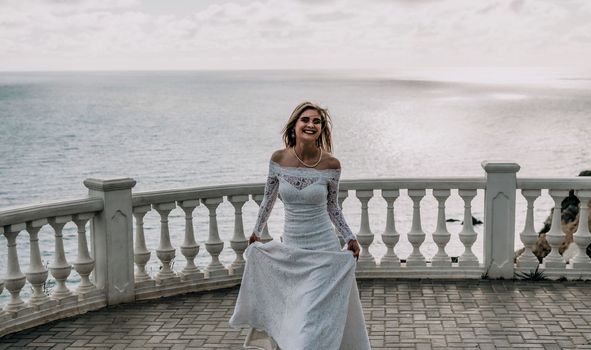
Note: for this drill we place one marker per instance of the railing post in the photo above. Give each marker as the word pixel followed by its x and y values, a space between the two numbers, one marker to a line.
pixel 499 218
pixel 112 238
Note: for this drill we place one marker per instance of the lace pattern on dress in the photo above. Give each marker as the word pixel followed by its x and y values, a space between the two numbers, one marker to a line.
pixel 270 195
pixel 300 182
pixel 334 211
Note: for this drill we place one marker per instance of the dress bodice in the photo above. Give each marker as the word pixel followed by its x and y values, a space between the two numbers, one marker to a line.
pixel 310 199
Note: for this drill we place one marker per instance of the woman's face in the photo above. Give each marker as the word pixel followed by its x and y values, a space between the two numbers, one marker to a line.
pixel 309 126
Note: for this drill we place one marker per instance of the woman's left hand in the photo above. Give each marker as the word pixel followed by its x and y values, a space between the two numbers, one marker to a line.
pixel 353 246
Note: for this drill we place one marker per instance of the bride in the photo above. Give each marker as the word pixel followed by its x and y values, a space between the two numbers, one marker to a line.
pixel 301 293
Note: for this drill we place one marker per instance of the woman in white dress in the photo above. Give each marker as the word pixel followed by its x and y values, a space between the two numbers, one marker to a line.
pixel 301 294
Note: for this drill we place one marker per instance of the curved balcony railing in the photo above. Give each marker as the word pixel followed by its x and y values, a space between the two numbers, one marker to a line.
pixel 117 266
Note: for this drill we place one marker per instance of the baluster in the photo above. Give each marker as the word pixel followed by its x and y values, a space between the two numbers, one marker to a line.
pixel 555 236
pixel 165 251
pixel 15 279
pixel 416 236
pixel 390 236
pixel 365 236
pixel 468 235
pixel 529 236
pixel 214 245
pixel 190 248
pixel 60 269
pixel 37 273
pixel 238 241
pixel 582 237
pixel 441 235
pixel 141 254
pixel 84 264
pixel 265 235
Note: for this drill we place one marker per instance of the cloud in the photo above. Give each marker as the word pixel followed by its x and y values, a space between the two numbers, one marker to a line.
pixel 110 34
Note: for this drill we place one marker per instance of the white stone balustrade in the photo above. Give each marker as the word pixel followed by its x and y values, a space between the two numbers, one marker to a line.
pixel 14 281
pixel 441 236
pixel 390 236
pixel 527 260
pixel 416 236
pixel 84 264
pixel 365 236
pixel 468 235
pixel 582 237
pixel 107 269
pixel 141 254
pixel 37 273
pixel 165 251
pixel 190 248
pixel 214 244
pixel 238 241
pixel 60 268
pixel 555 236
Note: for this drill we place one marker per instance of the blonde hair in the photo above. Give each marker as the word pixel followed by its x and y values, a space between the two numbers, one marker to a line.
pixel 324 140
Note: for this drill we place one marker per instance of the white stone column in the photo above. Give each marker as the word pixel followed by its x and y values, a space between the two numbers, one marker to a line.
pixel 84 264
pixel 527 260
pixel 582 237
pixel 59 267
pixel 499 218
pixel 238 241
pixel 468 235
pixel 14 281
pixel 214 245
pixel 265 235
pixel 37 273
pixel 112 239
pixel 141 254
pixel 390 236
pixel 555 236
pixel 365 236
pixel 190 248
pixel 165 251
pixel 441 236
pixel 416 236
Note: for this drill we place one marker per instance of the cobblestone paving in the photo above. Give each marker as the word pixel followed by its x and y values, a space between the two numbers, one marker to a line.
pixel 478 314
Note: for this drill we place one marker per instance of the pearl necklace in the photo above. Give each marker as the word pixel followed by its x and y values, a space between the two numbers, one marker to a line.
pixel 304 164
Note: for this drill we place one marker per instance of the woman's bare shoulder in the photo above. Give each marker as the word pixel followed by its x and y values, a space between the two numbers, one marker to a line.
pixel 331 162
pixel 279 155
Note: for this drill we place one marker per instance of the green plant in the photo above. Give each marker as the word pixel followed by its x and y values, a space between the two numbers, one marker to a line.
pixel 532 275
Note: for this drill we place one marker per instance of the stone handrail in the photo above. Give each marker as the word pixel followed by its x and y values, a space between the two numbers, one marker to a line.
pixel 118 241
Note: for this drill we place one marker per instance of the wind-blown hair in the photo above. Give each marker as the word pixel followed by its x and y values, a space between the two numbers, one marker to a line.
pixel 324 140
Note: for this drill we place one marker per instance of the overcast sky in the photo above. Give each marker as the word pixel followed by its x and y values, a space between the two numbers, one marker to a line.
pixel 300 34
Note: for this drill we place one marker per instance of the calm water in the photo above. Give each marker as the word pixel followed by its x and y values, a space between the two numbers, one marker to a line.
pixel 181 129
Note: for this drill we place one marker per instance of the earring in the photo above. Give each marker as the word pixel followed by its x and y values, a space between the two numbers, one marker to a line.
pixel 292 134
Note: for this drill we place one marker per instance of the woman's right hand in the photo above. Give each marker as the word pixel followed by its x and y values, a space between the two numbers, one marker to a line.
pixel 254 238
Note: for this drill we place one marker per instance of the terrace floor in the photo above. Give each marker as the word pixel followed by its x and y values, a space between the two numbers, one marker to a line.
pixel 400 314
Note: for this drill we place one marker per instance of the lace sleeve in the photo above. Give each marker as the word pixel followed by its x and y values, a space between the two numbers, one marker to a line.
pixel 335 212
pixel 270 195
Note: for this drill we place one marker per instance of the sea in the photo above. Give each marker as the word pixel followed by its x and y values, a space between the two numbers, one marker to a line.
pixel 178 129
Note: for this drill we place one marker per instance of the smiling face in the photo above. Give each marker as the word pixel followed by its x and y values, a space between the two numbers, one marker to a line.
pixel 308 126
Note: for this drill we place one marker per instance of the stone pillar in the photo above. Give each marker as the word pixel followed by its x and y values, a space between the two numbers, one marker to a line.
pixel 499 218
pixel 112 238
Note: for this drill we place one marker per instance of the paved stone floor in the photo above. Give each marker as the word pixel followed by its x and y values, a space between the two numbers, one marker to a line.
pixel 400 314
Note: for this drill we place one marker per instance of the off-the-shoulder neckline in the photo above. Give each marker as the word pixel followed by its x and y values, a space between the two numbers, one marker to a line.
pixel 301 168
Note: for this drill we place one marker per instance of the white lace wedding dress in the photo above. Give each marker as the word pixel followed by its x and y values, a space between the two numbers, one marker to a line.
pixel 302 292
